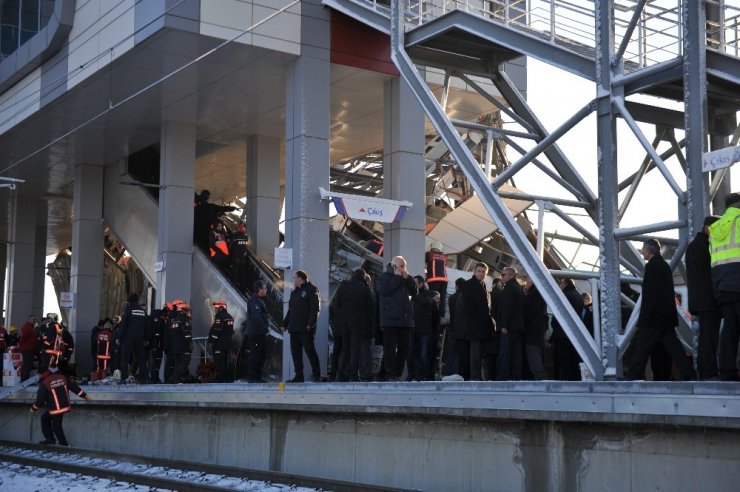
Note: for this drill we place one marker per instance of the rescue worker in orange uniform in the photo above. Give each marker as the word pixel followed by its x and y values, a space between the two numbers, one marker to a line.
pixel 436 278
pixel 53 393
pixel 220 339
pixel 219 249
pixel 51 344
pixel 104 348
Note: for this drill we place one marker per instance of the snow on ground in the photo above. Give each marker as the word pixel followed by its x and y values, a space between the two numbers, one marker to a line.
pixel 20 478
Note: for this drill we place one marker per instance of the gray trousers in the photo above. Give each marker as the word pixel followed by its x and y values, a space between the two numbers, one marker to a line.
pixel 535 360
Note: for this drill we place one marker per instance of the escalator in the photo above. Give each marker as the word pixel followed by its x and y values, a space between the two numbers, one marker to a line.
pixel 131 211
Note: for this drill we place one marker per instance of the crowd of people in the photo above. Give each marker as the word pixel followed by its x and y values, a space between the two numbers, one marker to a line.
pixel 227 249
pixel 501 334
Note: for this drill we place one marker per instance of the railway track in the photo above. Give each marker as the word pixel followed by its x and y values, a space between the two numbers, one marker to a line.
pixel 164 474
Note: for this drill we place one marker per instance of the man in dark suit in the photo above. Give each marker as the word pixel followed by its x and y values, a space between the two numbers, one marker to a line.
pixel 658 316
pixel 702 302
pixel 511 326
pixel 473 323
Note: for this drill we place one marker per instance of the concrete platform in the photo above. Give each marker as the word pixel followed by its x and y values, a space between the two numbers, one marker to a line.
pixel 431 436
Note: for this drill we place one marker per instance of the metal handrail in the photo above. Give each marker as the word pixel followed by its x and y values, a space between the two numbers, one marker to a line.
pixel 657 38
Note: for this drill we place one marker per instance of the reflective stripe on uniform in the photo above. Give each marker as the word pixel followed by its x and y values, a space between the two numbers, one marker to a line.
pixel 725 250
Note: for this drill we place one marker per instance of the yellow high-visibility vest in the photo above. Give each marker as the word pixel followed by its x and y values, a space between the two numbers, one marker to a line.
pixel 724 238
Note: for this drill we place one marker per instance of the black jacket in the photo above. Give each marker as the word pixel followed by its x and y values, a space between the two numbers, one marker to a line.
pixel 134 325
pixel 426 313
pixel 158 325
pixel 699 275
pixel 355 307
pixel 575 299
pixel 395 296
pixel 658 308
pixel 303 309
pixel 473 319
pixel 451 303
pixel 222 330
pixel 535 318
pixel 68 344
pixel 53 393
pixel 257 320
pixel 179 337
pixel 511 307
pixel 238 247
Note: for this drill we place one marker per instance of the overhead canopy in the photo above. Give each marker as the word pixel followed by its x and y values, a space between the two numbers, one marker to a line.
pixel 366 208
pixel 470 222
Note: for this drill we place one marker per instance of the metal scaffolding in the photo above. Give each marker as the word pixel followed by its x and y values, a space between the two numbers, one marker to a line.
pixel 682 50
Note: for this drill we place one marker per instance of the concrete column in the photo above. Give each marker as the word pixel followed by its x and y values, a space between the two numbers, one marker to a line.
pixel 403 173
pixel 39 263
pixel 307 108
pixel 263 195
pixel 21 236
pixel 86 277
pixel 175 235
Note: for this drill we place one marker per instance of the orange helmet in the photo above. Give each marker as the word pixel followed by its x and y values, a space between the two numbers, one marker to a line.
pixel 219 304
pixel 178 304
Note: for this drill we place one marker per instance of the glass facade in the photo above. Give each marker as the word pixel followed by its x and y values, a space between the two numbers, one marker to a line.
pixel 20 20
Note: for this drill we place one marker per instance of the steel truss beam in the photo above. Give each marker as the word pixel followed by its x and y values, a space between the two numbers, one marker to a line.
pixel 685 77
pixel 610 308
pixel 570 321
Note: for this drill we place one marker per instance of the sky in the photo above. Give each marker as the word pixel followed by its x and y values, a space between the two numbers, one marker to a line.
pixel 555 96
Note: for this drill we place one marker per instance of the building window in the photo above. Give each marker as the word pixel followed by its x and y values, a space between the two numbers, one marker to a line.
pixel 20 20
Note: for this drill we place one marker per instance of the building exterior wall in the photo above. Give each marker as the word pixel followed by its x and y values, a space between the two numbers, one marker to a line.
pixel 104 30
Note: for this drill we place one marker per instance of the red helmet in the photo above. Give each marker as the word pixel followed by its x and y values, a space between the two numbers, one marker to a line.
pixel 240 227
pixel 219 304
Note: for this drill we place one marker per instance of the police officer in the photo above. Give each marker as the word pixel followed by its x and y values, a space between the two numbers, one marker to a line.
pixel 220 339
pixel 300 320
pixel 257 330
pixel 724 244
pixel 238 251
pixel 179 342
pixel 156 341
pixel 134 331
pixel 53 393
